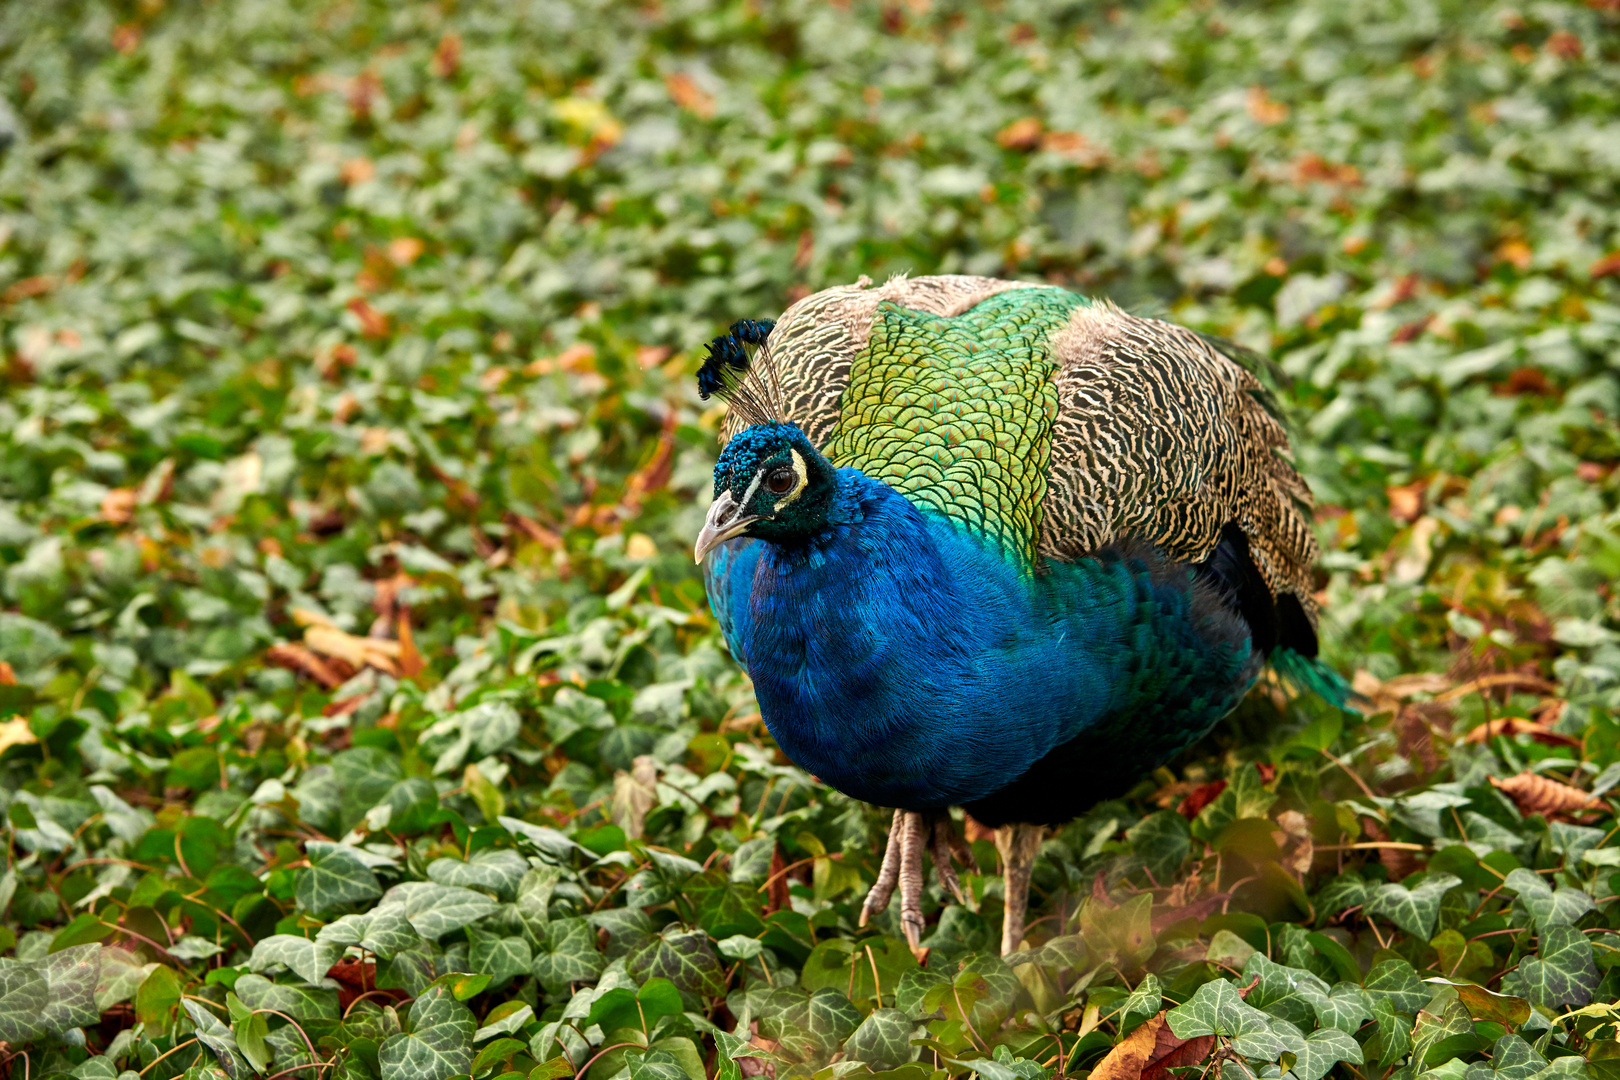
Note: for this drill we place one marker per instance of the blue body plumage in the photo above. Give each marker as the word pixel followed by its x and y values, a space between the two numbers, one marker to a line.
pixel 909 663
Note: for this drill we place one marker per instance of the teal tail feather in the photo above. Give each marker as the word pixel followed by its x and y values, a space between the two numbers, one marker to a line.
pixel 1308 673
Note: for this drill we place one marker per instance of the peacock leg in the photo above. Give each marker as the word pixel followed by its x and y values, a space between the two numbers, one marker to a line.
pixel 1018 845
pixel 889 873
pixel 912 843
pixel 910 834
pixel 942 843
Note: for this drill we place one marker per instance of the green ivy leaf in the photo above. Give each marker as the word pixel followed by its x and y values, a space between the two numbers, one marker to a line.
pixel 411 970
pixel 1323 1049
pixel 1283 992
pixel 1413 910
pixel 501 958
pixel 1397 982
pixel 1443 1031
pixel 309 960
pixel 24 997
pixel 1003 1066
pixel 1124 932
pixel 335 877
pixel 383 931
pixel 721 908
pixel 546 842
pixel 568 955
pixel 914 989
pixel 1216 1009
pixel 72 975
pixel 1547 906
pixel 1338 958
pixel 300 1002
pixel 364 776
pixel 558 1067
pixel 84 928
pixel 496 870
pixel 533 900
pixel 250 1031
pixel 1344 1007
pixel 155 1001
pixel 435 910
pixel 1341 892
pixel 848 965
pixel 507 1018
pixel 655 1065
pixel 121 975
pixel 411 805
pixel 882 1041
pixel 628 929
pixel 497 1052
pixel 1392 1036
pixel 991 985
pixel 728 1049
pixel 438 1045
pixel 809 1027
pixel 212 1033
pixel 1161 841
pixel 685 958
pixel 1561 975
pixel 1514 1059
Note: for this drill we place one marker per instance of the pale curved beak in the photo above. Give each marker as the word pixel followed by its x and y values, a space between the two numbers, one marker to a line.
pixel 725 521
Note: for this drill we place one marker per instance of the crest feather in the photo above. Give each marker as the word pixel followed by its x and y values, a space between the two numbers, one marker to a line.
pixel 729 373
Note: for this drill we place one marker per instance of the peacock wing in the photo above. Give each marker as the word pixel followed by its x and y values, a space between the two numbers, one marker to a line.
pixel 1162 435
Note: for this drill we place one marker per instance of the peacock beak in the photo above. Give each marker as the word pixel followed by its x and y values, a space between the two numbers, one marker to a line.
pixel 725 521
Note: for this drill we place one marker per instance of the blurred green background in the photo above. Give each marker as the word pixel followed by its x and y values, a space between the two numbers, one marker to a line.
pixel 350 452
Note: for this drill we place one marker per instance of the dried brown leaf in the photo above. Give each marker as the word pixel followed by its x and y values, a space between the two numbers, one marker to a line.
pixel 446 57
pixel 1538 795
pixel 118 505
pixel 1200 797
pixel 1128 1057
pixel 1263 109
pixel 1516 725
pixel 1170 1052
pixel 299 659
pixel 687 94
pixel 1022 134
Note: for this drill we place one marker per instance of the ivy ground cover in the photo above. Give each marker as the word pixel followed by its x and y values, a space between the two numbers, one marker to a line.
pixel 361 714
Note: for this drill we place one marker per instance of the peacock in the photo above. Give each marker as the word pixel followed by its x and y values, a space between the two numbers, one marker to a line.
pixel 996 545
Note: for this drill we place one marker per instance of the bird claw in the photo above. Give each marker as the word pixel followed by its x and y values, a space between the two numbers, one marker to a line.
pixel 910 832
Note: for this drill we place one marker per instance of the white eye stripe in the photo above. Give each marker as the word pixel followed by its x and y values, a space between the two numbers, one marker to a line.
pixel 742 504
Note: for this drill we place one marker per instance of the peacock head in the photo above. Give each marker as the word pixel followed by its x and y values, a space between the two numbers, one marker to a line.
pixel 771 484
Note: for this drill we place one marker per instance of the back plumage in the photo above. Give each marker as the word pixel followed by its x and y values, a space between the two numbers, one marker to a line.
pixel 1149 430
pixel 993 544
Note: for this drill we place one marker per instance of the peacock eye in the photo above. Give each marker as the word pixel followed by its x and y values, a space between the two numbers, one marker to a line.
pixel 780 481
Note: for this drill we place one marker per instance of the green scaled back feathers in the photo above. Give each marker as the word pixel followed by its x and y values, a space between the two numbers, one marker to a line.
pixel 956 413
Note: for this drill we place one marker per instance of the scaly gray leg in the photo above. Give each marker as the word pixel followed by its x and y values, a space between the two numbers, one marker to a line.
pixel 889 873
pixel 1018 845
pixel 942 844
pixel 910 833
pixel 912 843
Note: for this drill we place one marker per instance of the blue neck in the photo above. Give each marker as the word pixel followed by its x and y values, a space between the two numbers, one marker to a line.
pixel 907 663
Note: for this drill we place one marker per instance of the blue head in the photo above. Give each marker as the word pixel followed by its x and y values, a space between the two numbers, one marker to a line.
pixel 771 484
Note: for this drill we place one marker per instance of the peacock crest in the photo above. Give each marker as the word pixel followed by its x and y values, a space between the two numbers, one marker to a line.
pixel 728 373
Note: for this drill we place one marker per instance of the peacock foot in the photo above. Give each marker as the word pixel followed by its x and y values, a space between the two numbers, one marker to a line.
pixel 909 833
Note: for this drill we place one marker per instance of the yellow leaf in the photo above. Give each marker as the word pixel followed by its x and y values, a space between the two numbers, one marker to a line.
pixel 14 732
